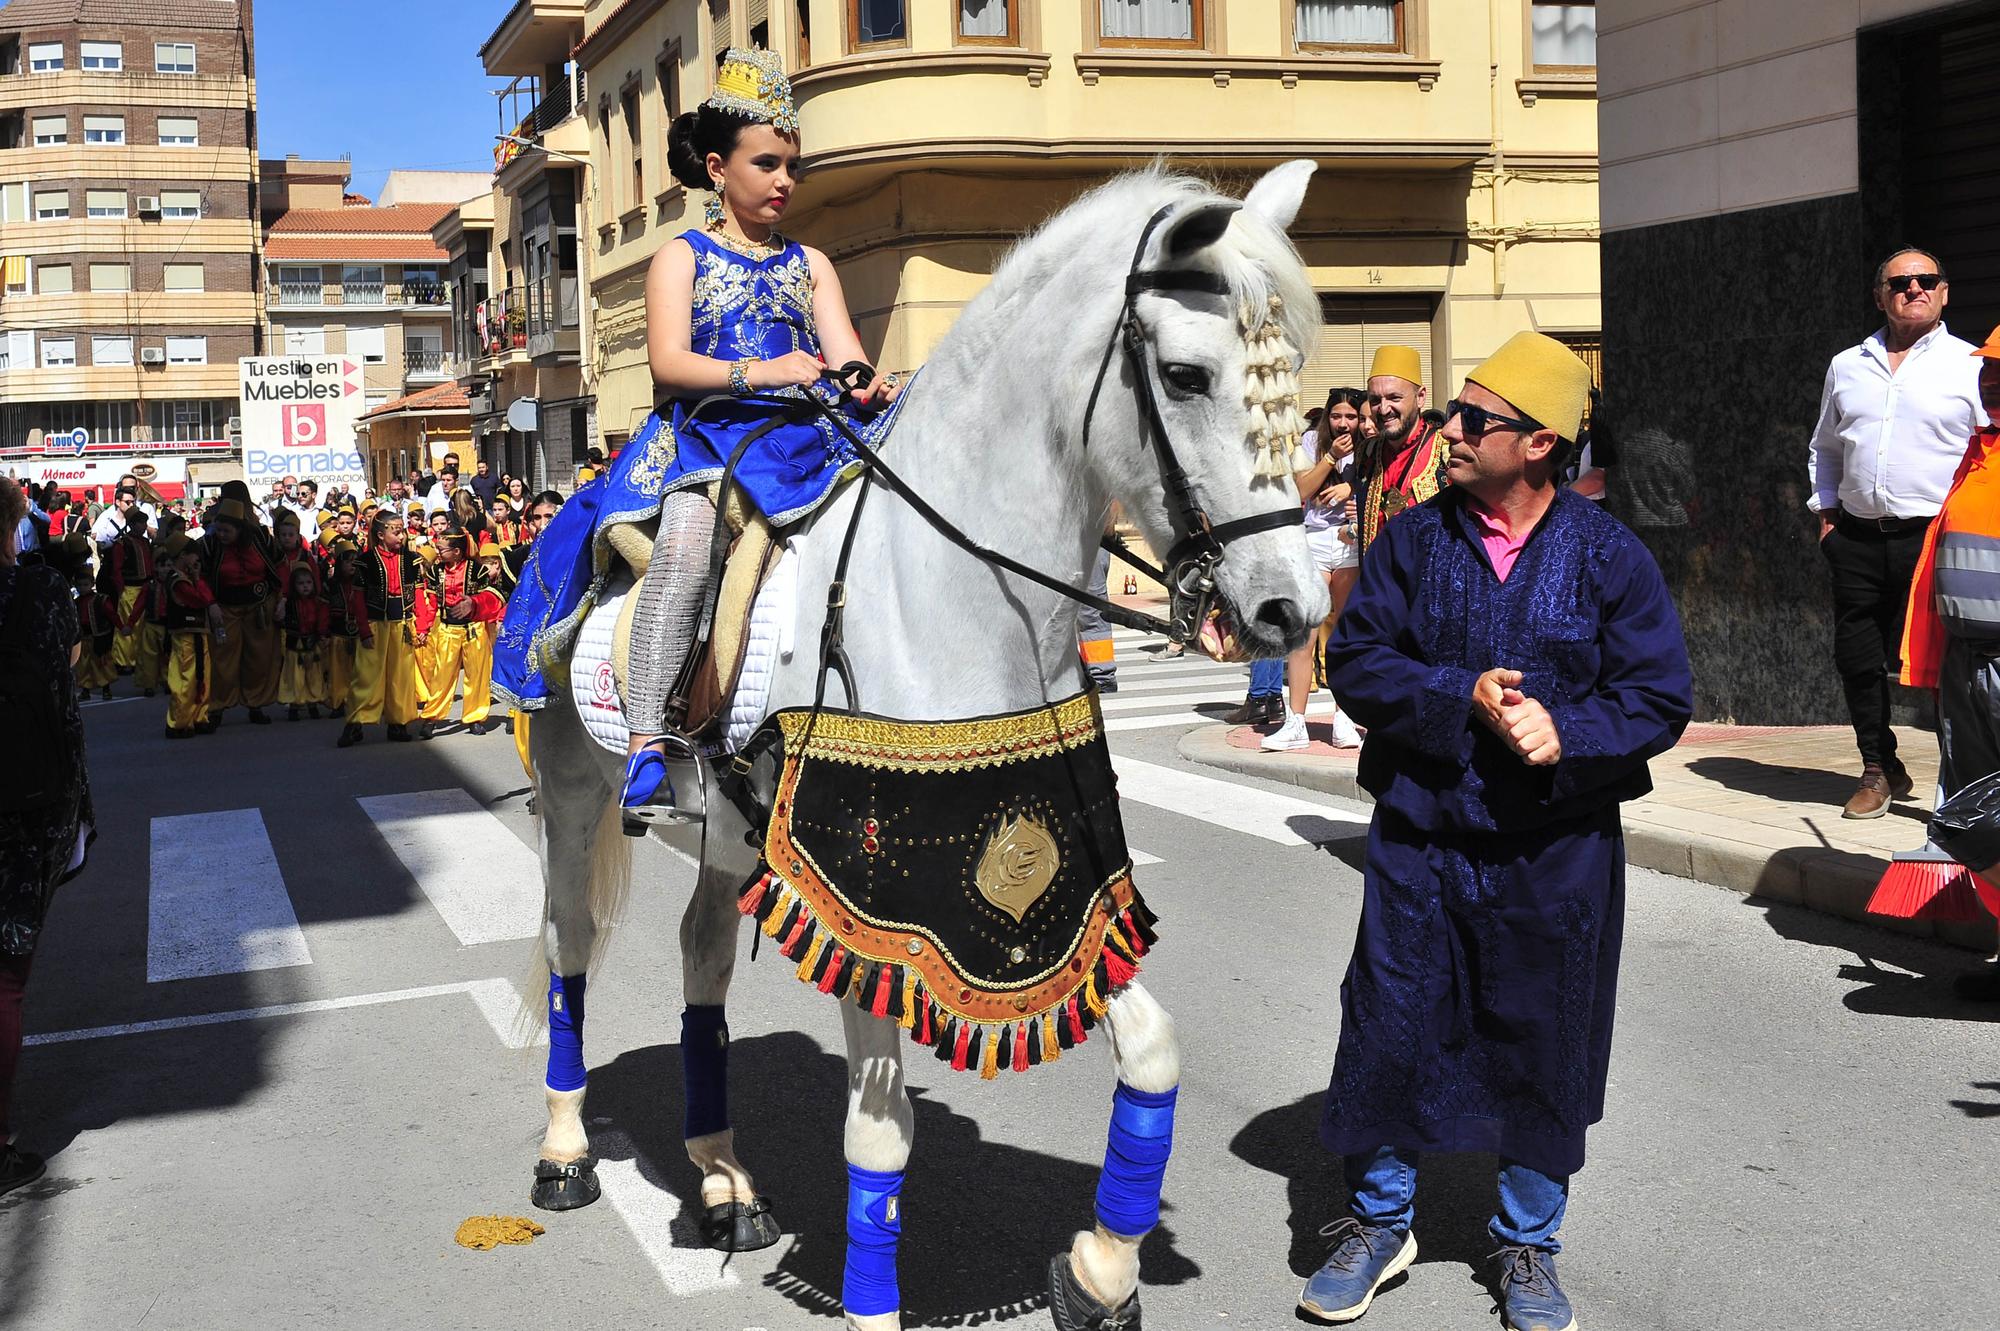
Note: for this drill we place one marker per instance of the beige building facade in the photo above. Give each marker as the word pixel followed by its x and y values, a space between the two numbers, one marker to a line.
pixel 128 238
pixel 1456 202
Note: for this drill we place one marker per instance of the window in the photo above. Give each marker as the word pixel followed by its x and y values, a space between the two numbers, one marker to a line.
pixel 305 341
pixel 876 23
pixel 669 73
pixel 371 345
pixel 111 277
pixel 635 147
pixel 55 279
pixel 45 58
pixel 1336 25
pixel 179 132
pixel 110 351
pixel 180 204
pixel 1150 22
pixel 58 352
pixel 1563 36
pixel 300 286
pixel 803 27
pixel 189 422
pixel 14 202
pixel 187 351
pixel 103 55
pixel 51 131
pixel 423 353
pixel 361 284
pixel 185 277
pixel 720 35
pixel 51 206
pixel 989 21
pixel 104 203
pixel 104 129
pixel 173 57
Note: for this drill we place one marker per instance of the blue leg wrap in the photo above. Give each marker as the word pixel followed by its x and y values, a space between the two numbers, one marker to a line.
pixel 565 1032
pixel 1135 1160
pixel 705 1070
pixel 874 1227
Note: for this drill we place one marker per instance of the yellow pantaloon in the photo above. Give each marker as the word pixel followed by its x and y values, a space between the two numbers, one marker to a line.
pixel 456 649
pixel 521 742
pixel 246 660
pixel 152 650
pixel 302 677
pixel 385 677
pixel 340 669
pixel 188 677
pixel 94 670
pixel 125 647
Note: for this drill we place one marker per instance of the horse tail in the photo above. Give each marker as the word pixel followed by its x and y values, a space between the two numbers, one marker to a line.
pixel 610 875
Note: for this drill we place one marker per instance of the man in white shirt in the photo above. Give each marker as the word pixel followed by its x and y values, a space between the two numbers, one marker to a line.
pixel 439 499
pixel 1894 421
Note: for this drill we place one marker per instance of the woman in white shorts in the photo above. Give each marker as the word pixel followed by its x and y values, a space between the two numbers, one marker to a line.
pixel 1326 489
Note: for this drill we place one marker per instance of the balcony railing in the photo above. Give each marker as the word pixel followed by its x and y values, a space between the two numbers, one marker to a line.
pixel 426 292
pixel 564 99
pixel 426 362
pixel 361 293
pixel 501 323
pixel 301 293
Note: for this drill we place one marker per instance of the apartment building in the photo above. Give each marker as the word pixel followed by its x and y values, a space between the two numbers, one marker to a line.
pixel 1456 202
pixel 128 236
pixel 345 277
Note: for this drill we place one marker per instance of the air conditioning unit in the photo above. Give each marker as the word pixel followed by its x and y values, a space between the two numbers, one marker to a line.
pixel 149 204
pixel 152 355
pixel 234 428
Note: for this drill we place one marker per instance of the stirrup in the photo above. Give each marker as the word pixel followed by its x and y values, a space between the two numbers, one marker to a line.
pixel 647 799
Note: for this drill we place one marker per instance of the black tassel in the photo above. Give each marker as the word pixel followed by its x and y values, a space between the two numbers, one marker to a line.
pixel 1035 1042
pixel 947 1037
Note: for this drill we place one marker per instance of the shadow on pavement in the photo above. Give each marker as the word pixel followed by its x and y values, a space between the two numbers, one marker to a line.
pixel 981 1219
pixel 1979 1108
pixel 1455 1198
pixel 1791 785
pixel 1914 982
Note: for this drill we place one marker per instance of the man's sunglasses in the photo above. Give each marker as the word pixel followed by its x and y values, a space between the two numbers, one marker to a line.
pixel 1478 420
pixel 1899 285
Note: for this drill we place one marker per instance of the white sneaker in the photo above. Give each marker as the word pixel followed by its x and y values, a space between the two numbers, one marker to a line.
pixel 1289 736
pixel 1345 736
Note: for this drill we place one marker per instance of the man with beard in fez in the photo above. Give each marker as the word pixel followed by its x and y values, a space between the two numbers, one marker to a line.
pixel 1516 658
pixel 1404 464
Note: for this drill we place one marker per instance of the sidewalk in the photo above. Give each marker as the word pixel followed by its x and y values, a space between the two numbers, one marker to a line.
pixel 1753 809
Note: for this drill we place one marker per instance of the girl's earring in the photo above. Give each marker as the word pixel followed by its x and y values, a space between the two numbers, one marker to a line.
pixel 712 212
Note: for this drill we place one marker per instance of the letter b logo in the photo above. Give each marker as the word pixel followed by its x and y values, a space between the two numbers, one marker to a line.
pixel 303 426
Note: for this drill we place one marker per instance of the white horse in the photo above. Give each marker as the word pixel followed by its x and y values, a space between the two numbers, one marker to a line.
pixel 994 436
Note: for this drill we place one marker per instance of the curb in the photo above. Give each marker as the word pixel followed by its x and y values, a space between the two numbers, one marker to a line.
pixel 1831 882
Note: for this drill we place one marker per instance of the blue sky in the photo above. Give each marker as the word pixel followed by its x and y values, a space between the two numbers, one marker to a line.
pixel 391 84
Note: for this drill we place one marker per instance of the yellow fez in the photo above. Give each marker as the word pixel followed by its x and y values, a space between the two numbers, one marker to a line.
pixel 233 510
pixel 326 519
pixel 427 553
pixel 1540 378
pixel 413 509
pixel 285 518
pixel 1401 362
pixel 345 546
pixel 488 548
pixel 174 547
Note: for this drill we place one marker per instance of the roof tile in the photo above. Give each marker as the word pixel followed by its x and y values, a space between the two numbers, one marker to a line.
pixel 444 397
pixel 402 219
pixel 150 13
pixel 405 249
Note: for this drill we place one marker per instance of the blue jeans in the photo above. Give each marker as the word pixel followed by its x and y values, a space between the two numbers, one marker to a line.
pixel 1267 678
pixel 1531 1203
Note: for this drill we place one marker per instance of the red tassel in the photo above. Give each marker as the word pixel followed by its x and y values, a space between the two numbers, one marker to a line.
pixel 926 1034
pixel 754 898
pixel 1130 928
pixel 795 939
pixel 1117 970
pixel 1076 1031
pixel 833 966
pixel 958 1051
pixel 880 1007
pixel 1021 1048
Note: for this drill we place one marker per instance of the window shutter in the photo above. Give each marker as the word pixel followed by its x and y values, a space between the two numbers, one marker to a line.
pixel 718 25
pixel 1354 329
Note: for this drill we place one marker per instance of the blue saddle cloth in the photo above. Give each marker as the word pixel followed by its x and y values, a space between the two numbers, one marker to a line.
pixel 744 307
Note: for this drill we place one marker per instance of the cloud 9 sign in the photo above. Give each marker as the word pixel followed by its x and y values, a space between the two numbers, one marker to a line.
pixel 298 419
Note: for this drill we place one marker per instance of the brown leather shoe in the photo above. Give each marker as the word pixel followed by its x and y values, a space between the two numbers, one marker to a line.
pixel 1255 711
pixel 1902 785
pixel 1871 797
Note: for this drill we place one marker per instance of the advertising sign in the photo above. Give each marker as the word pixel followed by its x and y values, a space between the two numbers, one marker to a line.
pixel 82 475
pixel 299 414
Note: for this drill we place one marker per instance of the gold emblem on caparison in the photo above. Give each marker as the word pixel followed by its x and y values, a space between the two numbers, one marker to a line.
pixel 1019 862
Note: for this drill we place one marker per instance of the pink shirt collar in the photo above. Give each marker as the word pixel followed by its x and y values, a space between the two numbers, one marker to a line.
pixel 1502 547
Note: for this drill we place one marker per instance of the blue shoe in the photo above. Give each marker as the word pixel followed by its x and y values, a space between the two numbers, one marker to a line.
pixel 648 796
pixel 1364 1258
pixel 1530 1298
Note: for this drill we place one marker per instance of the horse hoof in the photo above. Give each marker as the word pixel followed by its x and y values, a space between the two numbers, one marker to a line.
pixel 740 1226
pixel 565 1187
pixel 1074 1308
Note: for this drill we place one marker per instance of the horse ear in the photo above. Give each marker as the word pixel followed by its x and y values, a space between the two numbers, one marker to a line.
pixel 1276 198
pixel 1198 228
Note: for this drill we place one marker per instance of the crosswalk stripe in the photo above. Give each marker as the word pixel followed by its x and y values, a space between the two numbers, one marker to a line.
pixel 1155 684
pixel 1185 698
pixel 481 879
pixel 651 1213
pixel 217 904
pixel 1140 858
pixel 1157 722
pixel 1245 809
pixel 493 998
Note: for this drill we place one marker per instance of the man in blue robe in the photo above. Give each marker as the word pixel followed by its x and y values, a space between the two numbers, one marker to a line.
pixel 1516 659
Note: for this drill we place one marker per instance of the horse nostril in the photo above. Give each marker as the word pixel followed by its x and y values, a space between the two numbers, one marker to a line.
pixel 1284 615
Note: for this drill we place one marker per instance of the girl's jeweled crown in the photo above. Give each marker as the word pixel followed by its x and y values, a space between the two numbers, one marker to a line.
pixel 754 83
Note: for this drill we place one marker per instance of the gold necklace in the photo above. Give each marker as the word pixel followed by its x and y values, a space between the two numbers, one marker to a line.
pixel 749 248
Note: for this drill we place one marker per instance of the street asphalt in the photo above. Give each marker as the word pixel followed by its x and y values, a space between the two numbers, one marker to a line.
pixel 1802 1130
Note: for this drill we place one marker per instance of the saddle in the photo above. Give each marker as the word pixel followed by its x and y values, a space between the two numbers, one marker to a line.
pixel 754 553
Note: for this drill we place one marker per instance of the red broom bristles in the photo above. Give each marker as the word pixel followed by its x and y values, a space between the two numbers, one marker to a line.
pixel 1926 888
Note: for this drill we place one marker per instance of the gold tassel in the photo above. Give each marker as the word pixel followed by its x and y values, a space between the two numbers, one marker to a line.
pixel 908 1021
pixel 776 918
pixel 1051 1047
pixel 1092 999
pixel 989 1057
pixel 811 958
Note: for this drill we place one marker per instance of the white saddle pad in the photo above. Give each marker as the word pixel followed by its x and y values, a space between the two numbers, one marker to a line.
pixel 594 685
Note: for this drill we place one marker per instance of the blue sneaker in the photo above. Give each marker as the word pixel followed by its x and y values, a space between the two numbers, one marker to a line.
pixel 1364 1258
pixel 1530 1298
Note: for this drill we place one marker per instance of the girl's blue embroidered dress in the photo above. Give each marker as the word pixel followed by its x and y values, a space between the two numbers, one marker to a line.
pixel 755 307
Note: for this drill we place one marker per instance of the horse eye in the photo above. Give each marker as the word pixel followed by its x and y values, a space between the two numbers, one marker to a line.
pixel 1186 380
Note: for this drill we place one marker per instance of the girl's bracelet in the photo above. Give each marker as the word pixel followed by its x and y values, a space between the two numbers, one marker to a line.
pixel 739 377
